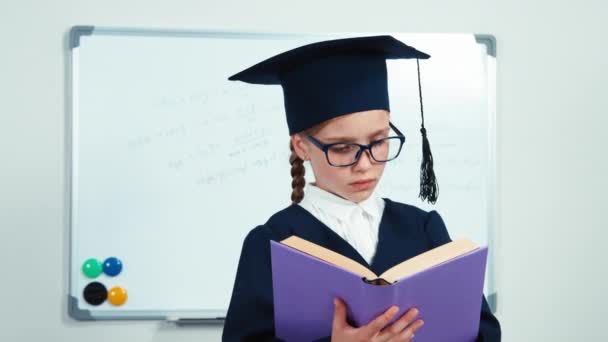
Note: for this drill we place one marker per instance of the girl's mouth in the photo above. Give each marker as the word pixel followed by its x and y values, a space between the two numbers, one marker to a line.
pixel 363 184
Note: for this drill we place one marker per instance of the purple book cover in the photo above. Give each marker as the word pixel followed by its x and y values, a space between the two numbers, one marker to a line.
pixel 448 296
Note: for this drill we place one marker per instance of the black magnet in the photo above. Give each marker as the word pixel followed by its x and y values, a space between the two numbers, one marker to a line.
pixel 95 293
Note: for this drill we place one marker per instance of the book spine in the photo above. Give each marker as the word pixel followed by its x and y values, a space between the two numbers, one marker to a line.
pixel 370 302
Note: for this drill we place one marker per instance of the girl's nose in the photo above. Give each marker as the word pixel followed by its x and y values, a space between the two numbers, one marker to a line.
pixel 365 161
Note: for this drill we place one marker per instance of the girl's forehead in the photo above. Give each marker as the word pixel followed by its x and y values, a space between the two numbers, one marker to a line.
pixel 366 120
pixel 360 124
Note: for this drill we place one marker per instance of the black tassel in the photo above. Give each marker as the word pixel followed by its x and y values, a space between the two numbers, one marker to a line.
pixel 429 189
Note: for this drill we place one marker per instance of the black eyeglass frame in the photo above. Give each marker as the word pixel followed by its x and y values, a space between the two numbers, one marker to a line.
pixel 325 147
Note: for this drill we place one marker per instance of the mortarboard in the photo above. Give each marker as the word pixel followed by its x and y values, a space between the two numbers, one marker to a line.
pixel 331 78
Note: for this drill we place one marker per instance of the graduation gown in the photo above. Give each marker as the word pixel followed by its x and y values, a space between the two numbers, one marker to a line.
pixel 405 231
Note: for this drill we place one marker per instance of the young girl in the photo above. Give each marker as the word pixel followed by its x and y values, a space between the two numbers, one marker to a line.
pixel 337 108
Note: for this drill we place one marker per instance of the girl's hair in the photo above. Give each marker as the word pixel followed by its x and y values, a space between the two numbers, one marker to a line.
pixel 297 176
pixel 297 165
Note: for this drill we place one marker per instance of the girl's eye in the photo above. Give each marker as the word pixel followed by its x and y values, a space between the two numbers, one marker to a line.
pixel 342 148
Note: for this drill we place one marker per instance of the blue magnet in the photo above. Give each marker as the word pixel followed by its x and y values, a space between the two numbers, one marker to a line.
pixel 112 266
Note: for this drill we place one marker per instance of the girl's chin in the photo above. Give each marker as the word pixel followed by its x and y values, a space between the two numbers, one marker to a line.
pixel 359 196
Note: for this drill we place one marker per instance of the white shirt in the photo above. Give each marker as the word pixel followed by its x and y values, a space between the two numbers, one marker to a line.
pixel 357 223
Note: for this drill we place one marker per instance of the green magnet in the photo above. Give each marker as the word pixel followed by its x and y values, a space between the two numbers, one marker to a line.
pixel 92 268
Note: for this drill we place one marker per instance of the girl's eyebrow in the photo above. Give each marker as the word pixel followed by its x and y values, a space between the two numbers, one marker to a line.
pixel 334 139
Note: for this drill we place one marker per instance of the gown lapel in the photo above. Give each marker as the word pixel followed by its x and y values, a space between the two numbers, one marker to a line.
pixel 388 250
pixel 325 237
pixel 397 240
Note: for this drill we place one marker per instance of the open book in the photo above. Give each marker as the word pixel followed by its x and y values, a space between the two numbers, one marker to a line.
pixel 445 284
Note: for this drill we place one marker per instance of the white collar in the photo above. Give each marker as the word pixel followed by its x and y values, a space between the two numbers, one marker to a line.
pixel 339 207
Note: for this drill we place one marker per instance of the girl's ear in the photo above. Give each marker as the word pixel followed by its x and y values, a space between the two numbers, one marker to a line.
pixel 300 147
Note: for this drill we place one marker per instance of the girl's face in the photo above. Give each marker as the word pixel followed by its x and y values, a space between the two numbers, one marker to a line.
pixel 361 127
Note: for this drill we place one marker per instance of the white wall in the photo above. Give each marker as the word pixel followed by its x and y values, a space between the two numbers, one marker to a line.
pixel 551 120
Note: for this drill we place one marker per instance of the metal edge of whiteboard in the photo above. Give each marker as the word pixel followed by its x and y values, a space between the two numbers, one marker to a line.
pixel 85 315
pixel 198 321
pixel 78 31
pixel 489 40
pixel 76 313
pixel 492 301
pixel 148 31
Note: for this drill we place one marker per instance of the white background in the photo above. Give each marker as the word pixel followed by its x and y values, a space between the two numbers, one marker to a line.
pixel 551 117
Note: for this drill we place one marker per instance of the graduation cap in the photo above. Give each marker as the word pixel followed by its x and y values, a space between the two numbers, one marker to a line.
pixel 331 78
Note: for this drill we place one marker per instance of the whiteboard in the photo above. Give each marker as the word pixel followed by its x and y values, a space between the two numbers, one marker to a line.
pixel 171 164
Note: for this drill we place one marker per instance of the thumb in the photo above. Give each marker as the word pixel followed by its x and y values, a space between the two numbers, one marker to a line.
pixel 339 314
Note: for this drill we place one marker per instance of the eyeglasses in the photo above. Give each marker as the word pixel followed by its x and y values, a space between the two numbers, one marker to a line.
pixel 343 154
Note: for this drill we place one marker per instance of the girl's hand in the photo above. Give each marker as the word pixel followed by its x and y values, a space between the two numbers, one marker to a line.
pixel 374 331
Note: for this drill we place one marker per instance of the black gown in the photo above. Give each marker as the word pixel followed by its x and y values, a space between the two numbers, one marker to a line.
pixel 405 231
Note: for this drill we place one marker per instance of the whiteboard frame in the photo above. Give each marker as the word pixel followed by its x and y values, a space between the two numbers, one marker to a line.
pixel 202 317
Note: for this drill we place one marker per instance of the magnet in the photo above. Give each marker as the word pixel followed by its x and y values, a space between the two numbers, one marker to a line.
pixel 112 266
pixel 92 268
pixel 95 293
pixel 117 296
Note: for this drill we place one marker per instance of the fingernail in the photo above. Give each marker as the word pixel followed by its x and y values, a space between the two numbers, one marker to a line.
pixel 411 338
pixel 394 310
pixel 335 302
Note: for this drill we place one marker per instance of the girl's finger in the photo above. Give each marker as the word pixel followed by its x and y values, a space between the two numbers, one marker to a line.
pixel 339 315
pixel 402 322
pixel 408 334
pixel 379 322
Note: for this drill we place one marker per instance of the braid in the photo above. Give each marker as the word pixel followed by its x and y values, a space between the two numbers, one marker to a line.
pixel 297 175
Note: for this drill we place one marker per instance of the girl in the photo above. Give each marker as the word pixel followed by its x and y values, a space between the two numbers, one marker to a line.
pixel 337 108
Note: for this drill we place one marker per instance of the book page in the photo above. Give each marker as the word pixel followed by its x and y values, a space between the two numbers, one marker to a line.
pixel 429 259
pixel 329 256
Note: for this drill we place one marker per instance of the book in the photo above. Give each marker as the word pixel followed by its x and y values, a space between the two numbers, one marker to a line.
pixel 445 284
